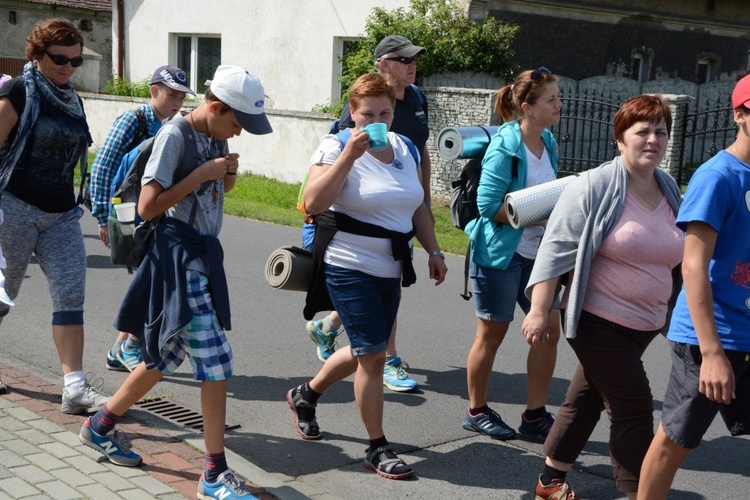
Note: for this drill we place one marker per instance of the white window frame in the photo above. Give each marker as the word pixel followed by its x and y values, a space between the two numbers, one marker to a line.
pixel 192 70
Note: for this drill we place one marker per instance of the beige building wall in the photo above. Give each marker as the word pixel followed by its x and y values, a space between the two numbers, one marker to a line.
pixel 291 45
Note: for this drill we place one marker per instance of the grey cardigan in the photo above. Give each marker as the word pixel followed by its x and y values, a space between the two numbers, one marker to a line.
pixel 586 212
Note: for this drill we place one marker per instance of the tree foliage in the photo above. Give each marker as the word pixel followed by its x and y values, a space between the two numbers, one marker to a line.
pixel 453 41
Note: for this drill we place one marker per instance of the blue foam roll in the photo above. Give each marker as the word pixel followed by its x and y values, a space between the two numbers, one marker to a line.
pixel 464 142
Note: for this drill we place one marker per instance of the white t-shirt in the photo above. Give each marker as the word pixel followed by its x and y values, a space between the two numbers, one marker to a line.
pixel 539 171
pixel 384 194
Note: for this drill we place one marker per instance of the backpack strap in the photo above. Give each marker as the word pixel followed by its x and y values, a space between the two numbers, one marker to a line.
pixel 420 94
pixel 467 295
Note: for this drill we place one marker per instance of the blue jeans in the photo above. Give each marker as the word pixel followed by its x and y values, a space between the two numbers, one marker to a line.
pixel 367 306
pixel 496 291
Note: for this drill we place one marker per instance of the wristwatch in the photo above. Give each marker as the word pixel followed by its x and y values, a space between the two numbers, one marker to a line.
pixel 437 254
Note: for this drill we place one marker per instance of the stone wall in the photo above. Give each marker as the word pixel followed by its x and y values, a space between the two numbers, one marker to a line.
pixel 458 107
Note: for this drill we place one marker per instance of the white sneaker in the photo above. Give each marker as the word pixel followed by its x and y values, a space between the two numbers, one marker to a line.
pixel 84 401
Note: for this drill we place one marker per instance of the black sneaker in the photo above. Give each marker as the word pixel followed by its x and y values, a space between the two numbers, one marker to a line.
pixel 538 428
pixel 488 423
pixel 305 425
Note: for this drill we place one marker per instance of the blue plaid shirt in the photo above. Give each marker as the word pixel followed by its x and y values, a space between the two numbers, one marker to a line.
pixel 110 155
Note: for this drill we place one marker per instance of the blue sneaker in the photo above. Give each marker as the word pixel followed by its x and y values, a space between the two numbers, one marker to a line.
pixel 395 377
pixel 113 363
pixel 115 445
pixel 538 428
pixel 229 484
pixel 489 424
pixel 130 358
pixel 325 342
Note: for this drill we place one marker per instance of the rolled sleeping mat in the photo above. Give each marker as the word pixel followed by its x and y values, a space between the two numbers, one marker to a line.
pixel 464 142
pixel 534 204
pixel 290 268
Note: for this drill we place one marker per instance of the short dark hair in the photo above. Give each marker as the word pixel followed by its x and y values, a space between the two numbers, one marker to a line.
pixel 643 108
pixel 55 31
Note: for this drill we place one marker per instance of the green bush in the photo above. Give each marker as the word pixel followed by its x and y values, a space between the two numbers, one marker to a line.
pixel 123 87
pixel 453 41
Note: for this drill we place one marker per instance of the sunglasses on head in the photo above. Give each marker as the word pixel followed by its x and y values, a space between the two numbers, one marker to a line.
pixel 401 59
pixel 536 75
pixel 61 60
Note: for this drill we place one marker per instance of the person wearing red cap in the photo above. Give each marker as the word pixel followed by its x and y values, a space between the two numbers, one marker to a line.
pixel 709 332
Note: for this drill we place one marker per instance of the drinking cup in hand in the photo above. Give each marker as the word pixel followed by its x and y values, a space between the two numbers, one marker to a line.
pixel 378 136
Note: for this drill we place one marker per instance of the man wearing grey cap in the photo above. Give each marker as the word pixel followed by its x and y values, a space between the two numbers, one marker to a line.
pixel 396 56
pixel 168 89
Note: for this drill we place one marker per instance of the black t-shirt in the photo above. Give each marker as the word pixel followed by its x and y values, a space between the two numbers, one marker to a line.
pixel 410 118
pixel 44 175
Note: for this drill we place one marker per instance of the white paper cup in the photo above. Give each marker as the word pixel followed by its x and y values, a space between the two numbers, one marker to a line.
pixel 125 211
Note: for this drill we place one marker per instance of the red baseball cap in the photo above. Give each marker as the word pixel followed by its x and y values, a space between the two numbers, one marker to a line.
pixel 741 93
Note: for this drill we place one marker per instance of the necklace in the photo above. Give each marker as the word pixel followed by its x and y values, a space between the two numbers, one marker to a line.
pixel 647 200
pixel 204 148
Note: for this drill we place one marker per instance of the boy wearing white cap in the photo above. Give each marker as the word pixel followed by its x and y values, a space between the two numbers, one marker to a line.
pixel 168 305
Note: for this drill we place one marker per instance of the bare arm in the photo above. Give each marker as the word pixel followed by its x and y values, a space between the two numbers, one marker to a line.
pixel 425 227
pixel 230 177
pixel 536 324
pixel 8 119
pixel 717 378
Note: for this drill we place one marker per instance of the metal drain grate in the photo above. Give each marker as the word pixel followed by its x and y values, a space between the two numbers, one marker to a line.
pixel 178 413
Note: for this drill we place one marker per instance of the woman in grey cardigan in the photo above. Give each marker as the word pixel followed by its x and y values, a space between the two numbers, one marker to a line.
pixel 613 234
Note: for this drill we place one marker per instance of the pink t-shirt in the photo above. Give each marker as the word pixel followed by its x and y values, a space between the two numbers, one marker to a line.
pixel 631 275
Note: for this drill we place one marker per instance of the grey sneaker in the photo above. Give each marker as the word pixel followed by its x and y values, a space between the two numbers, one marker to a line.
pixel 84 401
pixel 3 387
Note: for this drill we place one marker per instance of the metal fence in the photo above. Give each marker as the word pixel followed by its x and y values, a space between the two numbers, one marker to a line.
pixel 706 131
pixel 585 135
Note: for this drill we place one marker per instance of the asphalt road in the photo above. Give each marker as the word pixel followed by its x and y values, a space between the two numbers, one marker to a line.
pixel 436 328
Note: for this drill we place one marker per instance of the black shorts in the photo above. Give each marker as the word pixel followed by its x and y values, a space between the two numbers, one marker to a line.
pixel 687 414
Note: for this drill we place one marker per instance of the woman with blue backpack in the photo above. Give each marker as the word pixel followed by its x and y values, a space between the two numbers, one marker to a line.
pixel 521 154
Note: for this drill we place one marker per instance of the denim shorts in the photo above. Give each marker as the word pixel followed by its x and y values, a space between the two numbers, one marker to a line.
pixel 202 340
pixel 367 305
pixel 496 291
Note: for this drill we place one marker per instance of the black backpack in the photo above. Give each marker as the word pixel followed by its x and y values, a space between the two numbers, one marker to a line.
pixel 463 205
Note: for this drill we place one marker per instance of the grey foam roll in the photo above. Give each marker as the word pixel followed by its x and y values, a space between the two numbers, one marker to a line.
pixel 534 204
pixel 464 142
pixel 289 268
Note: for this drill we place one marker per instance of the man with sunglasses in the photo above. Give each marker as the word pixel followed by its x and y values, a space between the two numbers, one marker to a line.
pixel 169 86
pixel 397 57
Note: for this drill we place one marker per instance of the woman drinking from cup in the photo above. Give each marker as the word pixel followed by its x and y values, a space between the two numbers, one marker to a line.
pixel 369 203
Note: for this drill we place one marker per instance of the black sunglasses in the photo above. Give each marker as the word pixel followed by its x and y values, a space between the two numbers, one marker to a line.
pixel 401 59
pixel 536 75
pixel 61 60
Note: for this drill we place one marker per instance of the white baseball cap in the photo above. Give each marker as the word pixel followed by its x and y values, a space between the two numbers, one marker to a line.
pixel 244 93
